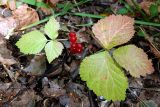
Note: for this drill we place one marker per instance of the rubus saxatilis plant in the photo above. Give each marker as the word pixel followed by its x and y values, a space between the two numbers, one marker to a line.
pixel 103 71
pixel 34 41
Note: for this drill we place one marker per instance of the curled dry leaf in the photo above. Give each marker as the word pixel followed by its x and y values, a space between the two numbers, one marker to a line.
pixel 27 99
pixel 46 11
pixel 25 16
pixel 145 5
pixel 9 3
pixel 8 91
pixel 54 1
pixel 37 65
pixel 5 54
pixel 22 16
pixel 7 25
pixel 134 60
pixel 54 90
pixel 114 30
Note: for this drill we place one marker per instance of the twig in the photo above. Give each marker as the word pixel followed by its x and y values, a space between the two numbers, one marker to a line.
pixel 10 73
pixel 150 41
pixel 138 97
pixel 77 5
pixel 148 89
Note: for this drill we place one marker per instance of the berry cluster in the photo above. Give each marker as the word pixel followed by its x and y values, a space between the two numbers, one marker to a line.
pixel 74 46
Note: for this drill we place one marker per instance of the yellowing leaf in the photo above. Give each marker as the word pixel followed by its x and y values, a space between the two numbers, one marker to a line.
pixel 53 49
pixel 114 30
pixel 51 28
pixel 103 76
pixel 134 60
pixel 32 42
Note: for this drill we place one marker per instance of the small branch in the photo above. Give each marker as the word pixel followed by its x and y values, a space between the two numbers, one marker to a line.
pixel 77 5
pixel 10 73
pixel 148 89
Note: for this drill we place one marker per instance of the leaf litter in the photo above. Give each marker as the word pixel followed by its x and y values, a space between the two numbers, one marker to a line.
pixel 38 83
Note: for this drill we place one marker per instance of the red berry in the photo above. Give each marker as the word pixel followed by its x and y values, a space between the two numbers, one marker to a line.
pixel 73 45
pixel 73 39
pixel 72 34
pixel 73 50
pixel 79 45
pixel 78 50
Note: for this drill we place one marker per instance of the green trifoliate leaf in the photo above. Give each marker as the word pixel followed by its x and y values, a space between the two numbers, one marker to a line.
pixel 51 28
pixel 32 42
pixel 103 76
pixel 134 60
pixel 53 49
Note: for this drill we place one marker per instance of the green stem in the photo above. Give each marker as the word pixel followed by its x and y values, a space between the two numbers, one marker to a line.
pixel 100 17
pixel 147 23
pixel 36 23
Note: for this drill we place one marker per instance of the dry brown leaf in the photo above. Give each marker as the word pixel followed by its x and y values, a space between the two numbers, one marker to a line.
pixel 54 90
pixel 37 65
pixel 46 11
pixel 5 54
pixel 114 30
pixel 9 3
pixel 145 5
pixel 22 16
pixel 25 16
pixel 27 99
pixel 8 91
pixel 7 24
pixel 53 2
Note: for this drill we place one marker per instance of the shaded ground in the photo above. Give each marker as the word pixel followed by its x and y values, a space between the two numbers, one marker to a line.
pixel 37 83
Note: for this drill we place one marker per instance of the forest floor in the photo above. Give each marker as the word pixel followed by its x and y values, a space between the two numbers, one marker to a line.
pixel 30 81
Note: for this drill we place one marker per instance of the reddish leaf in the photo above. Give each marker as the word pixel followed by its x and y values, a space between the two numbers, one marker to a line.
pixel 114 30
